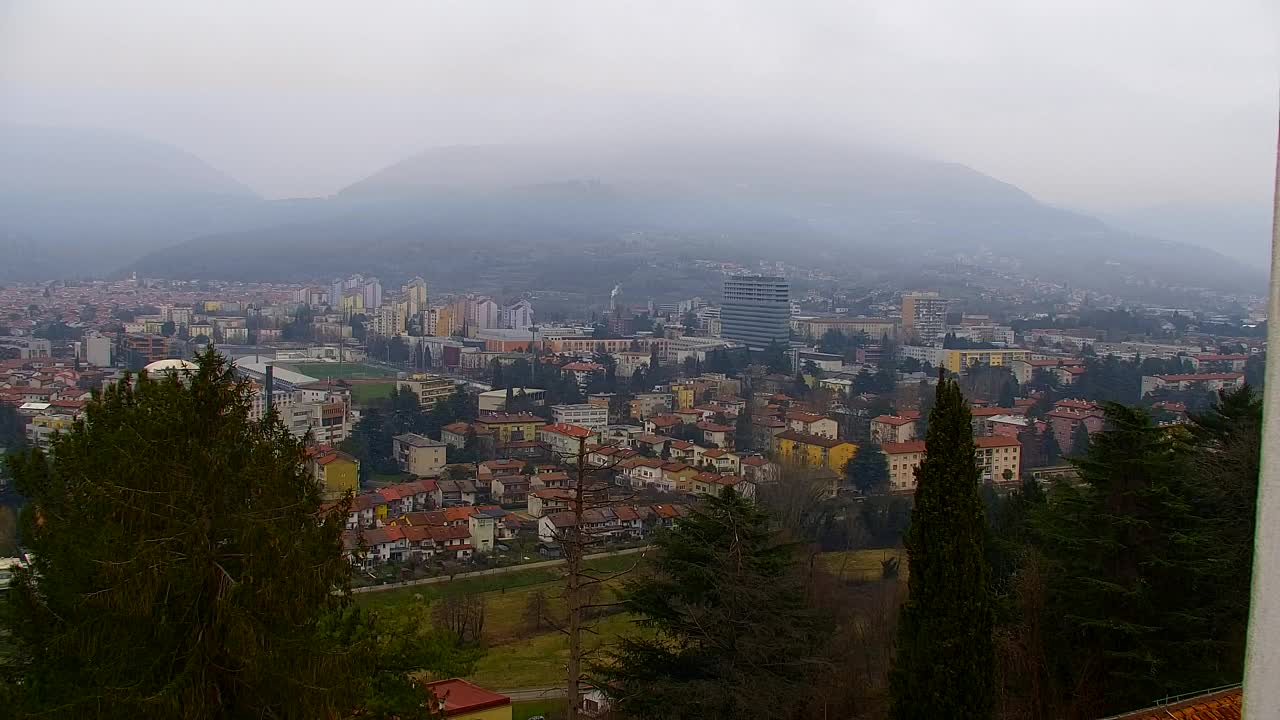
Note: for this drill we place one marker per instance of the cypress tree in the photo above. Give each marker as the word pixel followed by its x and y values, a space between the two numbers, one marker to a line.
pixel 184 567
pixel 945 662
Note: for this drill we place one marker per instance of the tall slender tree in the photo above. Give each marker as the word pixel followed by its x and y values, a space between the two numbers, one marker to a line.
pixel 945 662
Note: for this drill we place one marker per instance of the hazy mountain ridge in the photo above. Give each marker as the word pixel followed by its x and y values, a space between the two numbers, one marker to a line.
pixel 87 202
pixel 532 215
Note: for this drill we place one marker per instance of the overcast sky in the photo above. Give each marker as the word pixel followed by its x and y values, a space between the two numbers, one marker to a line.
pixel 1090 103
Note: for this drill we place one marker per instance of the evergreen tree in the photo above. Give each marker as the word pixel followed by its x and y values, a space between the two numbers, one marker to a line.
pixel 868 471
pixel 732 628
pixel 1132 558
pixel 945 662
pixel 184 568
pixel 1227 462
pixel 1049 449
pixel 1079 441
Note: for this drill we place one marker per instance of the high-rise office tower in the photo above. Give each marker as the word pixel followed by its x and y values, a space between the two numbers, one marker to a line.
pixel 756 311
pixel 924 316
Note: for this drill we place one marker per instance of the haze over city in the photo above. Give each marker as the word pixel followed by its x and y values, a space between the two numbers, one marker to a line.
pixel 1094 105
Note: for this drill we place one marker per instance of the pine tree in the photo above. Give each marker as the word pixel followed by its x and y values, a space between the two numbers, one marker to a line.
pixel 733 631
pixel 184 568
pixel 945 662
pixel 1049 449
pixel 868 471
pixel 1132 558
pixel 1079 441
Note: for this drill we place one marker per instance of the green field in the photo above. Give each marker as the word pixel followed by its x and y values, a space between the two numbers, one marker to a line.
pixel 365 393
pixel 341 371
pixel 549 709
pixel 861 564
pixel 519 656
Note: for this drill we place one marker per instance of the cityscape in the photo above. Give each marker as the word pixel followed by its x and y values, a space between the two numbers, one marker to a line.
pixel 608 361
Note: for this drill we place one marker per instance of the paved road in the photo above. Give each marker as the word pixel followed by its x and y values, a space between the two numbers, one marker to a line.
pixel 492 571
pixel 527 694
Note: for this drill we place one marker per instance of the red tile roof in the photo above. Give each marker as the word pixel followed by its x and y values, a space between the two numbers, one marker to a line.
pixel 910 446
pixel 1224 705
pixel 573 431
pixel 509 418
pixel 459 696
pixel 995 441
pixel 894 420
pixel 818 440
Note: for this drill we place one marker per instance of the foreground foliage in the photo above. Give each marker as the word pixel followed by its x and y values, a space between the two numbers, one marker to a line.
pixel 734 630
pixel 184 568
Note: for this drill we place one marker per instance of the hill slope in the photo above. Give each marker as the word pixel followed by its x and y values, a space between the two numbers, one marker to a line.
pixel 82 201
pixel 536 215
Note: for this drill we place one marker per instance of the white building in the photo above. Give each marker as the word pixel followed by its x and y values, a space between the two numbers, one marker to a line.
pixel 592 417
pixel 97 349
pixel 517 316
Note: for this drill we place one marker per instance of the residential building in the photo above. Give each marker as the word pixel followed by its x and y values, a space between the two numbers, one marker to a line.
pixel 763 431
pixel 418 455
pixel 814 450
pixel 1024 370
pixel 892 429
pixel 628 361
pixel 756 311
pixel 98 349
pixel 336 472
pixel 509 489
pixel 1067 414
pixel 458 699
pixel 1214 382
pixel 646 405
pixel 811 423
pixel 721 436
pixel 590 416
pixel 996 456
pixel 496 400
pixel 1214 362
pixel 517 316
pixel 510 427
pixel 564 441
pixel 957 361
pixel 582 372
pixel 924 316
pixel 429 389
pixel 813 328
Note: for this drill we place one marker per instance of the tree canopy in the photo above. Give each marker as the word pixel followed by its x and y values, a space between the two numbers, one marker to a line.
pixel 184 567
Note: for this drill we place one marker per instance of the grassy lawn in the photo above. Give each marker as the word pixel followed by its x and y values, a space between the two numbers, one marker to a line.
pixel 367 392
pixel 861 564
pixel 344 371
pixel 550 709
pixel 539 661
pixel 517 585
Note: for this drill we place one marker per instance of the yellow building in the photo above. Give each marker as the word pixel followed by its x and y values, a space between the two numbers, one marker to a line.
pixel 458 699
pixel 814 450
pixel 511 427
pixel 682 396
pixel 336 472
pixel 958 360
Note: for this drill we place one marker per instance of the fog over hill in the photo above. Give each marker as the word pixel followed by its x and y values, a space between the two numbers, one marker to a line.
pixel 519 211
pixel 552 215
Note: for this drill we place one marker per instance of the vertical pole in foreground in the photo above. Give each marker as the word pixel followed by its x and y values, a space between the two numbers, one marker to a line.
pixel 271 387
pixel 1262 659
